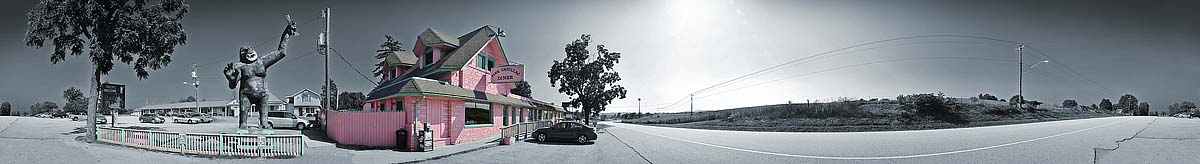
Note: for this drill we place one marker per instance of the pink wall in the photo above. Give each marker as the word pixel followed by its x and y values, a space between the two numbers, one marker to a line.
pixel 365 128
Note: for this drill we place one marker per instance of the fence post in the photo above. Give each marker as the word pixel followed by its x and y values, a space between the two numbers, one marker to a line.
pixel 182 147
pixel 220 146
pixel 258 145
pixel 152 144
pixel 123 132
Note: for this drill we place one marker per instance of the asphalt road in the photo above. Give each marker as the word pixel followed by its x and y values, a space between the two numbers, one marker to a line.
pixel 1070 141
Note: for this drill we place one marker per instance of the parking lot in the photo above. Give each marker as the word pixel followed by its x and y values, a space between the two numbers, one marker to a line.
pixel 220 124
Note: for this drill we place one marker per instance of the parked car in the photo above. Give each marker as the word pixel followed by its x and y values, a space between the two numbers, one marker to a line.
pixel 59 115
pixel 568 131
pixel 205 118
pixel 186 118
pixel 100 120
pixel 311 117
pixel 42 115
pixel 151 118
pixel 1182 115
pixel 286 119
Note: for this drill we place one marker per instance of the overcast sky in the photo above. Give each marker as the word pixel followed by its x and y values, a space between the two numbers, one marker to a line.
pixel 673 48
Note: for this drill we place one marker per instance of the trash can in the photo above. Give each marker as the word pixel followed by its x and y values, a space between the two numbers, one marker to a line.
pixel 402 140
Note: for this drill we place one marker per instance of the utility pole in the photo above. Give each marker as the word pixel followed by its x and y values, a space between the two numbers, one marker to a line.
pixel 323 42
pixel 195 83
pixel 691 103
pixel 1021 75
pixel 639 106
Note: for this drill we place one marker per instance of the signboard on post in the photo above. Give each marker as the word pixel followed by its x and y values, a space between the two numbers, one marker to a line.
pixel 508 74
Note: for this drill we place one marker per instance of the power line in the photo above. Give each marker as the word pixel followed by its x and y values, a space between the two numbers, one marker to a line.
pixel 352 67
pixel 856 65
pixel 301 56
pixel 1070 69
pixel 768 69
pixel 264 41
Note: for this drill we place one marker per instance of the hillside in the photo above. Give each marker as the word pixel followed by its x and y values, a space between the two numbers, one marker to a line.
pixel 864 115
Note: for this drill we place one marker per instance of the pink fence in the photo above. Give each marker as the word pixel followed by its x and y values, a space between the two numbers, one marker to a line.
pixel 365 128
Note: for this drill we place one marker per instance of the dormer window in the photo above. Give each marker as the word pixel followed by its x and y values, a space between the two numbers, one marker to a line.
pixel 428 56
pixel 485 62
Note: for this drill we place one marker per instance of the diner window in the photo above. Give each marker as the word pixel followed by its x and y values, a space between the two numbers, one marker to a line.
pixel 478 114
pixel 485 62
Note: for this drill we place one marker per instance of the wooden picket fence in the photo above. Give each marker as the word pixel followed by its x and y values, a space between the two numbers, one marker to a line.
pixel 205 144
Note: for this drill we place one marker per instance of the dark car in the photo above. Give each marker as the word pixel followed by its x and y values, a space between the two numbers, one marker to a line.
pixel 151 118
pixel 566 131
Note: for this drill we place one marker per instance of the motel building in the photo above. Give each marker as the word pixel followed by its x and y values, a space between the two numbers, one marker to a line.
pixel 225 107
pixel 447 85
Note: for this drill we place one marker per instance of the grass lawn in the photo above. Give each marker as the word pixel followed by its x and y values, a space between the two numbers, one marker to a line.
pixel 862 115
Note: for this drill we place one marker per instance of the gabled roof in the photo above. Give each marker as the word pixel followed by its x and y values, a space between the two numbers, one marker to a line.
pixel 473 43
pixel 401 58
pixel 301 92
pixel 431 37
pixel 416 86
pixel 302 103
pixel 457 59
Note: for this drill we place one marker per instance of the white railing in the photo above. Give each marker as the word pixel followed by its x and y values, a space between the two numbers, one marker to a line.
pixel 522 130
pixel 205 144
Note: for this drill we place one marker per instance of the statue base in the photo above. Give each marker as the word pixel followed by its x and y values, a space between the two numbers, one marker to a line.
pixel 255 131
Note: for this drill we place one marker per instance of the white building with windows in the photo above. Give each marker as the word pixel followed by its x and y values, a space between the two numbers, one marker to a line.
pixel 304 103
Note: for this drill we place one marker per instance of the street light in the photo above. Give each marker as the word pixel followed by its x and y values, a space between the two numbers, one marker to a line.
pixel 195 84
pixel 1035 65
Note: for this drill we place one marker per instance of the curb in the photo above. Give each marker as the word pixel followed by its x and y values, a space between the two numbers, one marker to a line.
pixel 487 145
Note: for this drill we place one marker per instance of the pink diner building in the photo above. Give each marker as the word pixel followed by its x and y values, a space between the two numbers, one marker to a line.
pixel 443 82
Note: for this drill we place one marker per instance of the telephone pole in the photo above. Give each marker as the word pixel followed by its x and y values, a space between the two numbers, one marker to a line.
pixel 1021 75
pixel 323 41
pixel 195 83
pixel 639 106
pixel 691 103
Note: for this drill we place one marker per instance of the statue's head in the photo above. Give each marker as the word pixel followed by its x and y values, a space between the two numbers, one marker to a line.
pixel 248 55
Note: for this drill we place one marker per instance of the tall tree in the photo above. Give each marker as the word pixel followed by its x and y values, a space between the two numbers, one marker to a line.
pixel 1181 107
pixel 1143 109
pixel 1106 105
pixel 522 89
pixel 75 101
pixel 187 99
pixel 329 101
pixel 130 31
pixel 589 82
pixel 1128 104
pixel 388 48
pixel 43 107
pixel 351 100
pixel 6 109
pixel 1069 103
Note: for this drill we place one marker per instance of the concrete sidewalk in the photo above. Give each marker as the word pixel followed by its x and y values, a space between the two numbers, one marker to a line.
pixel 390 156
pixel 1165 140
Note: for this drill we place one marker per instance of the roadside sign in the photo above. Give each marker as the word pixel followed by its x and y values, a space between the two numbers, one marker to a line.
pixel 508 74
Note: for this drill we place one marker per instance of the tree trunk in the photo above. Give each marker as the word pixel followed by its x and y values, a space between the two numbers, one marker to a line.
pixel 91 120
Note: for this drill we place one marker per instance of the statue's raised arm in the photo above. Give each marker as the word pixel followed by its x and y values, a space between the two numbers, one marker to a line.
pixel 275 56
pixel 231 74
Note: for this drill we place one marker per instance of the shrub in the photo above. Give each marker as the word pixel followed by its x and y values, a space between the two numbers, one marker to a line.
pixel 1069 103
pixel 929 105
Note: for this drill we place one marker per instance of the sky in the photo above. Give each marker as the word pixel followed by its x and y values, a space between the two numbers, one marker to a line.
pixel 672 48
